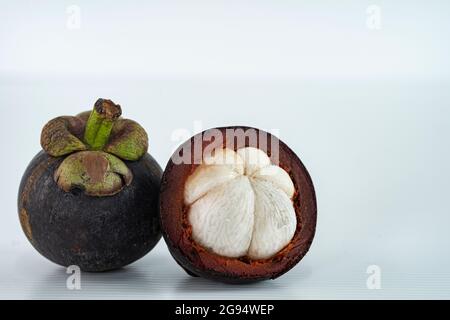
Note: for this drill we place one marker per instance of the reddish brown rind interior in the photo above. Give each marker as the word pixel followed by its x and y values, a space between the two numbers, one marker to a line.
pixel 197 260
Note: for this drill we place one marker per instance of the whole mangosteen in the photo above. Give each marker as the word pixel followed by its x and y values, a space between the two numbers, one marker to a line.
pixel 90 197
pixel 237 205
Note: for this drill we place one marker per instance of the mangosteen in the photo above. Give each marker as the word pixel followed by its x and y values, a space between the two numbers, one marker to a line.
pixel 237 205
pixel 90 197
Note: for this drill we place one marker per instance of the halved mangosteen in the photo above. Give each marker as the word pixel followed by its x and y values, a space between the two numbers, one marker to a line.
pixel 237 205
pixel 90 197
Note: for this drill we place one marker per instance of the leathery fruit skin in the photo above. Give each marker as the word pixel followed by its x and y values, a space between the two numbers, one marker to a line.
pixel 200 258
pixel 94 233
pixel 90 197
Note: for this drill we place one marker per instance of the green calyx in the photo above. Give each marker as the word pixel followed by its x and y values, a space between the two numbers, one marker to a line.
pixel 101 132
pixel 129 140
pixel 62 136
pixel 97 173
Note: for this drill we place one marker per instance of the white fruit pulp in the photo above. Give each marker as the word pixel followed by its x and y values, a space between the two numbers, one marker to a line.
pixel 240 204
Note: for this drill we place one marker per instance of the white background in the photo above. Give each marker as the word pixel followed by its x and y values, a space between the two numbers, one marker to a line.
pixel 366 110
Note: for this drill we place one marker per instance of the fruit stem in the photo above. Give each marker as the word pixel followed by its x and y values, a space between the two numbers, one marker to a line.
pixel 100 123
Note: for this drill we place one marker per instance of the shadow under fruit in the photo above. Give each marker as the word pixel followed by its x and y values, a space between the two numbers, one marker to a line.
pixel 90 197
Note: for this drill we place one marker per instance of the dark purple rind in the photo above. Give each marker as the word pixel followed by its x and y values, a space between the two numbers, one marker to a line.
pixel 95 233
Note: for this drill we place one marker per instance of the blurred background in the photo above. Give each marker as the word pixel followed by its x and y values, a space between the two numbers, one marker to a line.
pixel 359 89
